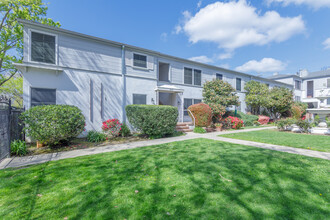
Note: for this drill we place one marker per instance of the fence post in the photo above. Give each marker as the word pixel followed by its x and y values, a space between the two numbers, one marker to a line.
pixel 9 125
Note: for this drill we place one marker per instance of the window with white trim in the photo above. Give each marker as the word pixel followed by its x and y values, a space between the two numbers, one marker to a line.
pixel 192 79
pixel 219 76
pixel 197 77
pixel 43 96
pixel 297 84
pixel 43 48
pixel 297 98
pixel 139 99
pixel 238 84
pixel 140 60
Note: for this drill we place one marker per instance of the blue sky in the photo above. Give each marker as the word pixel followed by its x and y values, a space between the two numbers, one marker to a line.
pixel 258 36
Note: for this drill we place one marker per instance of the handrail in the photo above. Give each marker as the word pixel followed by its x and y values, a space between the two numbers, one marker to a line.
pixel 192 116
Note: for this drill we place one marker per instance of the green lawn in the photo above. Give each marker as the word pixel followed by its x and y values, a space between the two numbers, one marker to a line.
pixel 195 179
pixel 306 141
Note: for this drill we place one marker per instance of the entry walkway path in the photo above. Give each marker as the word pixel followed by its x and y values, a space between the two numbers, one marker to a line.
pixel 42 158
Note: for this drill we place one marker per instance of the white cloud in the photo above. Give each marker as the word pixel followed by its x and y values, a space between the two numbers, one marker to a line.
pixel 199 4
pixel 312 3
pixel 225 66
pixel 264 65
pixel 326 43
pixel 226 55
pixel 202 59
pixel 163 37
pixel 236 24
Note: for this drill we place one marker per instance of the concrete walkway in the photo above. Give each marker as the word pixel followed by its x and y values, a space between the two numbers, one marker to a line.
pixel 42 158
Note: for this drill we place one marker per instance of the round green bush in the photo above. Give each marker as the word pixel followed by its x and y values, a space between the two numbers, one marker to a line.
pixel 125 131
pixel 199 130
pixel 94 136
pixel 153 120
pixel 202 113
pixel 53 124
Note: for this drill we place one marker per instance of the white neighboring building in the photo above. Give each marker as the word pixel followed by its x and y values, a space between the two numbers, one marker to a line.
pixel 307 85
pixel 101 76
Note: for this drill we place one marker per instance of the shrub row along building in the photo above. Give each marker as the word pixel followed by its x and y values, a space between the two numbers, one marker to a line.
pixel 101 76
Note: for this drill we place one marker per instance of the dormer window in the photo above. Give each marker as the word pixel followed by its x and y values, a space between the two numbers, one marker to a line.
pixel 42 48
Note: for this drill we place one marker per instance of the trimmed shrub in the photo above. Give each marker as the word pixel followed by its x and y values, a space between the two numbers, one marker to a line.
pixel 153 120
pixel 125 131
pixel 202 113
pixel 18 148
pixel 304 125
pixel 234 122
pixel 53 124
pixel 199 130
pixel 112 127
pixel 263 120
pixel 283 124
pixel 94 136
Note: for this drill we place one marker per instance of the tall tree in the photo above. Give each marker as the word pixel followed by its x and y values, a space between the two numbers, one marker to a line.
pixel 219 95
pixel 256 95
pixel 11 31
pixel 280 101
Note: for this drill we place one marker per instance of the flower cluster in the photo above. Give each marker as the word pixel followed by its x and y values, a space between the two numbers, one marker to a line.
pixel 263 120
pixel 235 122
pixel 112 127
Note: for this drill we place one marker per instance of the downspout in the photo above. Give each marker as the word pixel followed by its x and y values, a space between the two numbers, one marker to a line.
pixel 123 72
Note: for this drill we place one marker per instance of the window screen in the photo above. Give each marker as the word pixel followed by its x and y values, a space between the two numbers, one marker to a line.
pixel 140 60
pixel 187 76
pixel 219 76
pixel 238 84
pixel 43 97
pixel 42 48
pixel 186 104
pixel 197 77
pixel 139 99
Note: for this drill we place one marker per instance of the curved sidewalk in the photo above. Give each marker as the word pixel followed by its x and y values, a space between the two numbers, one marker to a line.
pixel 42 158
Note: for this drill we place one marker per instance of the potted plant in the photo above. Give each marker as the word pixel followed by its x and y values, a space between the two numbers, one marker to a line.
pixel 218 127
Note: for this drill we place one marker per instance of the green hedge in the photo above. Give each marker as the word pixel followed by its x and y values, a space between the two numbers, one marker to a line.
pixel 153 120
pixel 53 124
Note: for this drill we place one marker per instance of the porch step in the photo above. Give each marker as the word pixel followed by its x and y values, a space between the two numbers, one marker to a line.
pixel 183 126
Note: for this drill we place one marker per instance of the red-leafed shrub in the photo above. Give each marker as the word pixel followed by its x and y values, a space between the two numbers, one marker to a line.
pixel 235 122
pixel 112 127
pixel 263 119
pixel 202 113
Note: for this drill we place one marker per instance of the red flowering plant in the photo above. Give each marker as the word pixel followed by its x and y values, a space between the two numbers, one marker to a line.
pixel 235 122
pixel 112 127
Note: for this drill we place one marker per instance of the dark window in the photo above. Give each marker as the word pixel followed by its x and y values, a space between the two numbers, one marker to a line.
pixel 139 99
pixel 196 101
pixel 186 104
pixel 328 84
pixel 310 89
pixel 187 76
pixel 297 84
pixel 140 60
pixel 197 77
pixel 219 76
pixel 42 48
pixel 43 97
pixel 238 84
pixel 328 101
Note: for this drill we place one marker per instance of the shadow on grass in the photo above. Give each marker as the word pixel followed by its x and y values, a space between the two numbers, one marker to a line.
pixel 190 179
